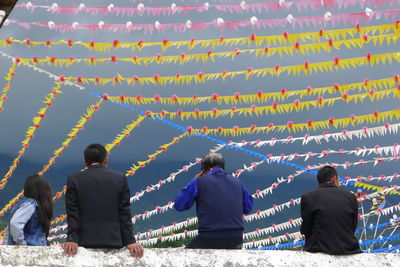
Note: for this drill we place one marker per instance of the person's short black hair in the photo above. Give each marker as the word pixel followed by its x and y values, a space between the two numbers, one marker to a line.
pixel 212 160
pixel 325 174
pixel 95 153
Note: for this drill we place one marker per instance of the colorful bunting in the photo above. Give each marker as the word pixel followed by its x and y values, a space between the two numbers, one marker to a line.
pixel 174 9
pixel 298 48
pixel 327 19
pixel 7 87
pixel 277 108
pixel 163 148
pixel 252 40
pixel 30 133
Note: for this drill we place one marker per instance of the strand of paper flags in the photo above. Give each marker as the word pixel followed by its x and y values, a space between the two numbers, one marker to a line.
pixel 261 96
pixel 252 40
pixel 277 108
pixel 212 56
pixel 261 193
pixel 174 9
pixel 201 77
pixel 365 132
pixel 272 240
pixel 290 126
pixel 9 76
pixel 130 172
pixel 276 208
pixel 370 178
pixel 30 132
pixel 58 152
pixel 269 212
pixel 327 19
pixel 173 236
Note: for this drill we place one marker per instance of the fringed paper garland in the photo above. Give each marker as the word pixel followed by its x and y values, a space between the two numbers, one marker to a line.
pixel 277 108
pixel 72 134
pixel 172 176
pixel 370 178
pixel 307 68
pixel 49 98
pixel 365 132
pixel 252 40
pixel 125 133
pixel 163 148
pixel 10 74
pixel 298 48
pixel 174 9
pixel 58 152
pixel 296 127
pixel 261 97
pixel 327 19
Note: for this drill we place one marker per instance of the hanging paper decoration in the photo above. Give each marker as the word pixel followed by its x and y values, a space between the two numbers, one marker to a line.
pixel 58 152
pixel 277 108
pixel 125 132
pixel 72 134
pixel 7 87
pixel 174 9
pixel 211 56
pixel 219 23
pixel 163 148
pixel 294 70
pixel 382 177
pixel 31 131
pixel 365 132
pixel 295 127
pixel 252 40
pixel 261 97
pixel 172 176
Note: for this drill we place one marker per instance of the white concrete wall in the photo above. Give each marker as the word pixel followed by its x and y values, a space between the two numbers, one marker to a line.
pixel 53 256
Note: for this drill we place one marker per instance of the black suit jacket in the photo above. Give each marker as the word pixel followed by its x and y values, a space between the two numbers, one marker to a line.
pixel 98 208
pixel 330 217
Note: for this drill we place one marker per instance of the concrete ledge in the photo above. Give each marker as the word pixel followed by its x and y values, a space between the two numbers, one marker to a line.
pixel 53 256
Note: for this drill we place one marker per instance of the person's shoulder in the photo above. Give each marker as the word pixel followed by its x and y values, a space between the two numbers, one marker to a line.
pixel 346 193
pixel 312 192
pixel 29 200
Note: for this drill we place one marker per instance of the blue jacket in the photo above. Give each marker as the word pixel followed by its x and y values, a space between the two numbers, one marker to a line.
pixel 221 201
pixel 24 227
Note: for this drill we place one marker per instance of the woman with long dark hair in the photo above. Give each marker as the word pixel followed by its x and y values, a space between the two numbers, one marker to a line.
pixel 30 219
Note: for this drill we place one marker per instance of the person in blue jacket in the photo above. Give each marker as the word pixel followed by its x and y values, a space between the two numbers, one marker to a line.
pixel 221 201
pixel 30 218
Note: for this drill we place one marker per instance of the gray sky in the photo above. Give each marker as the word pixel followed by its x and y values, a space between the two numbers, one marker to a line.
pixel 29 88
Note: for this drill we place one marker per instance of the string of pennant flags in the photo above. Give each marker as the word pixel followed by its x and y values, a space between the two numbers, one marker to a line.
pixel 210 56
pixel 9 76
pixel 173 9
pixel 365 132
pixel 290 126
pixel 306 68
pixel 327 19
pixel 260 96
pixel 252 40
pixel 277 108
pixel 30 132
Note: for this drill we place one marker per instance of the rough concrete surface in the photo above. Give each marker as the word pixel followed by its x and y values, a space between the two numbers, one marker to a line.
pixel 53 256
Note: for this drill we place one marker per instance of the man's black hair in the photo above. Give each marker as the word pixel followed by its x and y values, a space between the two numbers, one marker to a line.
pixel 212 160
pixel 325 174
pixel 95 153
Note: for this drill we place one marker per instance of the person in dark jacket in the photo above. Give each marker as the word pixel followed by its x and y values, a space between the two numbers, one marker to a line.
pixel 330 216
pixel 221 201
pixel 98 207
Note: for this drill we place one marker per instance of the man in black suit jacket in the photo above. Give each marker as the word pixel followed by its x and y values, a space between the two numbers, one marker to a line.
pixel 98 207
pixel 330 216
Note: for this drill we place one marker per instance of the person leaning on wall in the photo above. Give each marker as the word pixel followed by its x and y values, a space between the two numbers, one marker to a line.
pixel 330 216
pixel 221 201
pixel 98 207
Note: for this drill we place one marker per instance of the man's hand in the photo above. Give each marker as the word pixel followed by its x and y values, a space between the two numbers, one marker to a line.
pixel 70 248
pixel 136 250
